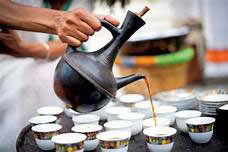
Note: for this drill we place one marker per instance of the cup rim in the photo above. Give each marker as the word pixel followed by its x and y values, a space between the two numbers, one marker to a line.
pixel 140 105
pixel 221 105
pixel 45 128
pixel 86 128
pixel 82 118
pixel 131 116
pixel 152 131
pixel 125 124
pixel 122 135
pixel 168 122
pixel 131 98
pixel 48 110
pixel 117 110
pixel 42 119
pixel 195 121
pixel 202 97
pixel 169 109
pixel 74 137
pixel 184 114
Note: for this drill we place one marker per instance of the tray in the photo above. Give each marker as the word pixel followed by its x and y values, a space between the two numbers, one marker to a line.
pixel 183 143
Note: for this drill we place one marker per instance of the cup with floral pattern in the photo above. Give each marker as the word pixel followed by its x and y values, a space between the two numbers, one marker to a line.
pixel 200 129
pixel 69 142
pixel 160 139
pixel 91 131
pixel 43 133
pixel 114 141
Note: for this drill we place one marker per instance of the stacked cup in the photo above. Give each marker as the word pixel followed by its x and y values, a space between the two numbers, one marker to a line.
pixel 44 126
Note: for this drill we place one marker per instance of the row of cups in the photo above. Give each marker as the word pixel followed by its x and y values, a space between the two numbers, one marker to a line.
pixel 118 132
pixel 85 135
pixel 157 138
pixel 120 118
pixel 45 126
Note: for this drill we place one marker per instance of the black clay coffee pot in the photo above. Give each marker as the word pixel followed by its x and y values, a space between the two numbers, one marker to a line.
pixel 84 80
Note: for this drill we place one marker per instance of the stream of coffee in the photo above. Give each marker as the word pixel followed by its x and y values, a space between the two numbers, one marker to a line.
pixel 151 101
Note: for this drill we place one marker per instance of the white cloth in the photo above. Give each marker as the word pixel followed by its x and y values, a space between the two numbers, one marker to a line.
pixel 25 85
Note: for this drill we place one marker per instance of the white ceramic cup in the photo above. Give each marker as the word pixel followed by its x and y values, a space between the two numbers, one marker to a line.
pixel 43 134
pixel 129 100
pixel 182 116
pixel 101 113
pixel 166 112
pixel 90 130
pixel 113 112
pixel 162 122
pixel 50 110
pixel 69 141
pixel 200 129
pixel 160 139
pixel 121 125
pixel 70 113
pixel 85 119
pixel 42 120
pixel 145 107
pixel 118 138
pixel 136 119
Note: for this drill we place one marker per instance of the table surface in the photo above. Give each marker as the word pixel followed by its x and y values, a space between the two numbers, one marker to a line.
pixel 183 143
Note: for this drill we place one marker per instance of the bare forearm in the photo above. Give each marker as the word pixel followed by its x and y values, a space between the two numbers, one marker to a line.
pixel 28 18
pixel 38 50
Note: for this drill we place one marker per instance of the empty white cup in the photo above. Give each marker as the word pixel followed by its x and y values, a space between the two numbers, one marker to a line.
pixel 50 110
pixel 42 120
pixel 129 100
pixel 166 112
pixel 121 125
pixel 145 107
pixel 182 116
pixel 200 129
pixel 136 119
pixel 113 112
pixel 86 119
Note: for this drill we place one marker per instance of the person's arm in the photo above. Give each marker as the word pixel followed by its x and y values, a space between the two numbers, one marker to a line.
pixel 28 18
pixel 73 27
pixel 10 43
pixel 49 51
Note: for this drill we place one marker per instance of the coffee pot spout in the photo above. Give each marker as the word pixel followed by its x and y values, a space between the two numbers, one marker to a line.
pixel 123 81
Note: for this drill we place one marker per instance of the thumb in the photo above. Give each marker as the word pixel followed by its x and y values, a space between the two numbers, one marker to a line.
pixel 110 19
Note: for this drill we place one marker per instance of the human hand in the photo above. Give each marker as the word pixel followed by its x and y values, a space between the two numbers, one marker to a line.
pixel 109 19
pixel 76 26
pixel 12 44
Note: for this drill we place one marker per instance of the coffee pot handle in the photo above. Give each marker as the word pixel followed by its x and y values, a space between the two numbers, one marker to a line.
pixel 114 30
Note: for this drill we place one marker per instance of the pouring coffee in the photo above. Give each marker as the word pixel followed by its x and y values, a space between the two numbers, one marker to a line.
pixel 84 80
